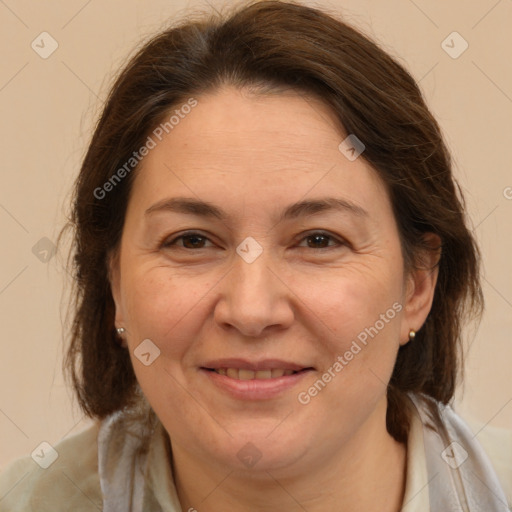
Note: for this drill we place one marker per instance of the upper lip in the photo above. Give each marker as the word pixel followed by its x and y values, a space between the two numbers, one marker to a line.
pixel 265 364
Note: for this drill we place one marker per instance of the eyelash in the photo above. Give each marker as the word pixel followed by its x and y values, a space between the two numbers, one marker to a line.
pixel 167 244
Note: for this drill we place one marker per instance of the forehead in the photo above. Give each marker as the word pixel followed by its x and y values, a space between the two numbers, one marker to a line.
pixel 261 149
pixel 233 123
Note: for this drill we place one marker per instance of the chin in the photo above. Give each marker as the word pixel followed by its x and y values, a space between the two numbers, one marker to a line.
pixel 258 450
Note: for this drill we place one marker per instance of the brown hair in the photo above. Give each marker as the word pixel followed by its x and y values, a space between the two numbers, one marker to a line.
pixel 273 45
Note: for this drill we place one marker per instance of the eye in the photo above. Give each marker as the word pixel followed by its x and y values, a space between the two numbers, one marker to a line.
pixel 189 241
pixel 193 240
pixel 320 240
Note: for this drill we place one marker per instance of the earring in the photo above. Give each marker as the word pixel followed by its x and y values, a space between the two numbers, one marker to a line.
pixel 122 341
pixel 412 335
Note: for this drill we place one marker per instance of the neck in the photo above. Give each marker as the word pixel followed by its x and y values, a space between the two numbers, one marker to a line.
pixel 366 474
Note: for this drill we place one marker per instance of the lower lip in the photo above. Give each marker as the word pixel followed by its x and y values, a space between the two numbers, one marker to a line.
pixel 255 389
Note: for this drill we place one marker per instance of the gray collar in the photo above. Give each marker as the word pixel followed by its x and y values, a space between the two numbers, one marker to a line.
pixel 460 475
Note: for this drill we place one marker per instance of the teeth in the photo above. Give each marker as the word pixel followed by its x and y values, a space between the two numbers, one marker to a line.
pixel 243 374
pixel 232 372
pixel 246 374
pixel 263 374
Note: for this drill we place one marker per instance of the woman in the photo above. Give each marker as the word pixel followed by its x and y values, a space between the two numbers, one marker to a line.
pixel 273 269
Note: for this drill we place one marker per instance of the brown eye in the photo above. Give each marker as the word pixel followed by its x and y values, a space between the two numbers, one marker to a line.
pixel 321 241
pixel 193 241
pixel 189 241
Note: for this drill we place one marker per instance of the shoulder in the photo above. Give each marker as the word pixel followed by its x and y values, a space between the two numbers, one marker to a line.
pixel 488 450
pixel 62 477
pixel 497 444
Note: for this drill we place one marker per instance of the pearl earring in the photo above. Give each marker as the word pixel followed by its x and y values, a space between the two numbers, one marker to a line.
pixel 412 335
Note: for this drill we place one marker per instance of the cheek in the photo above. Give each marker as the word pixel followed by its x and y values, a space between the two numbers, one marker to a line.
pixel 165 307
pixel 348 300
pixel 357 317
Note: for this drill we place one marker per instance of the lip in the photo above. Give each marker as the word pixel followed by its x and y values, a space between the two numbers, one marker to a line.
pixel 265 364
pixel 254 389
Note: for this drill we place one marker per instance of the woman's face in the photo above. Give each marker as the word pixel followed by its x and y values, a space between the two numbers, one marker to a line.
pixel 260 282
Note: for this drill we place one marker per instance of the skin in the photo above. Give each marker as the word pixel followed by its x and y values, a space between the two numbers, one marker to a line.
pixel 253 155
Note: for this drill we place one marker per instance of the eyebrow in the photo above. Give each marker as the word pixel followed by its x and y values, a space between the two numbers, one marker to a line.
pixel 192 206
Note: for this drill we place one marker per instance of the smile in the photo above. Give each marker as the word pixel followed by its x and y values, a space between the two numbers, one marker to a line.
pixel 254 384
pixel 244 374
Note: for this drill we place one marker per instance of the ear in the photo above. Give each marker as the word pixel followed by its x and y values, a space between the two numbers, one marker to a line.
pixel 420 287
pixel 115 285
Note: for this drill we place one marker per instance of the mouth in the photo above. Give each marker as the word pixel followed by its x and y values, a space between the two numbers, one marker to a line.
pixel 246 380
pixel 245 374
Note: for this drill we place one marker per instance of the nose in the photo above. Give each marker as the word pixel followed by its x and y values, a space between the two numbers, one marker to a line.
pixel 255 299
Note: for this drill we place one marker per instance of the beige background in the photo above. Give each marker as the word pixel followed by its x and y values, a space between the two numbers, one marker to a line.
pixel 49 105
